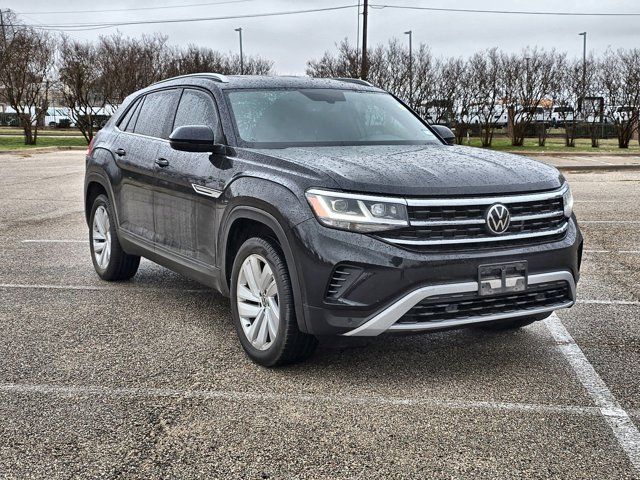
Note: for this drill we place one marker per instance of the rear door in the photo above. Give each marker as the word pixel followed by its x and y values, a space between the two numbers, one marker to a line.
pixel 185 200
pixel 142 131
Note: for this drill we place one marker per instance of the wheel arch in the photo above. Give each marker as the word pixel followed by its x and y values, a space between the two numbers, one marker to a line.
pixel 244 222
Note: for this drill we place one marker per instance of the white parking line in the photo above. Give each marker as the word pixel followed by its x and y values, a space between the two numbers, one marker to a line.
pixel 618 419
pixel 607 302
pixel 101 287
pixel 92 391
pixel 612 251
pixel 129 288
pixel 55 241
pixel 622 222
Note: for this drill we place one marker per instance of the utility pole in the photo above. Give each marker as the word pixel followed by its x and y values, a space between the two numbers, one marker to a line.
pixel 584 68
pixel 239 30
pixel 410 69
pixel 4 34
pixel 358 33
pixel 364 69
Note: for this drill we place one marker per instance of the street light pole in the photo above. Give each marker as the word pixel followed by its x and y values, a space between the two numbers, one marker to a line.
pixel 584 67
pixel 239 30
pixel 410 69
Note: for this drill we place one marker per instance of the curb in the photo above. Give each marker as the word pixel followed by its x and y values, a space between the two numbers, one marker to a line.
pixel 20 151
pixel 573 154
pixel 587 168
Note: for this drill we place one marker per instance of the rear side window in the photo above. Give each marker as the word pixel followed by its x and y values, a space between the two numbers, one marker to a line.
pixel 196 108
pixel 157 113
pixel 129 120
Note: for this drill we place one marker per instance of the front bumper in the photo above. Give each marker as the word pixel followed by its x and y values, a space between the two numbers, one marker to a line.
pixel 393 280
pixel 386 320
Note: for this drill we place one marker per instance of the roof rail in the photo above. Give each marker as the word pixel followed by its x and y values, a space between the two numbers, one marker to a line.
pixel 357 81
pixel 218 77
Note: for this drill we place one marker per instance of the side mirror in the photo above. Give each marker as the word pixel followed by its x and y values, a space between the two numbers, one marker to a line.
pixel 446 134
pixel 195 138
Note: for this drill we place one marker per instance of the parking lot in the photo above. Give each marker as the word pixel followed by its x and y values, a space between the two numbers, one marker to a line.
pixel 146 378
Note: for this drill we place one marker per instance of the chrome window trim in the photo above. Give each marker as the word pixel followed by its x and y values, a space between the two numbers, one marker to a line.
pixel 385 320
pixel 499 238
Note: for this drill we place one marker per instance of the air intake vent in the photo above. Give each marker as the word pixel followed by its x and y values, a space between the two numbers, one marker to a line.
pixel 343 277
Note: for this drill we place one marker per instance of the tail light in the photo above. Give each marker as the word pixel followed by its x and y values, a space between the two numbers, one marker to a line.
pixel 90 147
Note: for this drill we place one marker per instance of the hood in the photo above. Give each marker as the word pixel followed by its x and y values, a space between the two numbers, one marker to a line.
pixel 425 170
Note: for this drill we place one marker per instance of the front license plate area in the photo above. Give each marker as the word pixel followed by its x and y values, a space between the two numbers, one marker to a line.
pixel 502 278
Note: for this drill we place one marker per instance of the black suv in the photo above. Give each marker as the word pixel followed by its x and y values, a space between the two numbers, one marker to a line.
pixel 326 207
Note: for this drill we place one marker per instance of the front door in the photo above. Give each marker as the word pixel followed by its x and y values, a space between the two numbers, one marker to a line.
pixel 187 187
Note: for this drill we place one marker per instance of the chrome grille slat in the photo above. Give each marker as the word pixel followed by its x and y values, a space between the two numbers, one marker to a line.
pixel 458 221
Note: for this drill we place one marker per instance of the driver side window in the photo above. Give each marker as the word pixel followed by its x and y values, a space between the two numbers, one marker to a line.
pixel 196 108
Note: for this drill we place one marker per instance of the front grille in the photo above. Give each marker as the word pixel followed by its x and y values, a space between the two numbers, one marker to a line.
pixel 459 223
pixel 471 305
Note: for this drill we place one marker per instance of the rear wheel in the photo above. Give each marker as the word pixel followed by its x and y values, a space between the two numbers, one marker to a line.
pixel 514 323
pixel 262 306
pixel 109 260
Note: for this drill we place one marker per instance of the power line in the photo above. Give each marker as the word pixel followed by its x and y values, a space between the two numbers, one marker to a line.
pixel 99 25
pixel 508 12
pixel 136 9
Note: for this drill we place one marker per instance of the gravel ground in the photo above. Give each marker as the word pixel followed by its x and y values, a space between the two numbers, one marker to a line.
pixel 146 378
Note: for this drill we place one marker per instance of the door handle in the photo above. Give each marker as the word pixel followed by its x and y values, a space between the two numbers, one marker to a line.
pixel 120 152
pixel 162 162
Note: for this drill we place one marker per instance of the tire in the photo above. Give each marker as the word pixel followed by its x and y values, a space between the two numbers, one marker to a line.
pixel 109 260
pixel 261 291
pixel 513 323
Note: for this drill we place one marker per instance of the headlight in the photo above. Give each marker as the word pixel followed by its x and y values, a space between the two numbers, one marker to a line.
pixel 567 201
pixel 359 213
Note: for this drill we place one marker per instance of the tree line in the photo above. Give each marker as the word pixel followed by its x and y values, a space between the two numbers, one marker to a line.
pixel 91 76
pixel 490 85
pixel 474 93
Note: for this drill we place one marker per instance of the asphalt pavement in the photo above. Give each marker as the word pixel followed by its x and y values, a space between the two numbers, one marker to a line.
pixel 146 378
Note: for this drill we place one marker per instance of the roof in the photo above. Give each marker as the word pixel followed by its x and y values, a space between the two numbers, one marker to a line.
pixel 271 81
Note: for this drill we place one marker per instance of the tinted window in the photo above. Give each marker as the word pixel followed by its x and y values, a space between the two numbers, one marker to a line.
pixel 126 120
pixel 196 108
pixel 157 113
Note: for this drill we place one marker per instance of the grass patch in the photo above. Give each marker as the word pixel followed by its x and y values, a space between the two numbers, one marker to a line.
pixel 557 145
pixel 17 143
pixel 45 132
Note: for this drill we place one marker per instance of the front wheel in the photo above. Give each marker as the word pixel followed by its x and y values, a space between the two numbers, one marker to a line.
pixel 109 260
pixel 262 306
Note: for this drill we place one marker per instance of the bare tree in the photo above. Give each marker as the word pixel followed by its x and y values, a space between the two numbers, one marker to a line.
pixel 85 88
pixel 194 59
pixel 529 78
pixel 345 63
pixel 487 87
pixel 130 64
pixel 26 62
pixel 619 80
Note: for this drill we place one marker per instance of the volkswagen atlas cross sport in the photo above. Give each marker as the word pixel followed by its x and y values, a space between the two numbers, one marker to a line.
pixel 326 207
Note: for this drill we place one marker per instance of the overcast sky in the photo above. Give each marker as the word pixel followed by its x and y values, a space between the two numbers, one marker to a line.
pixel 292 40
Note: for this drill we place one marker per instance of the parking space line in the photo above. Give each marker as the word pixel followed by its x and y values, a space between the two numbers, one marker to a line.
pixel 631 222
pixel 93 391
pixel 607 302
pixel 101 287
pixel 55 241
pixel 129 288
pixel 618 419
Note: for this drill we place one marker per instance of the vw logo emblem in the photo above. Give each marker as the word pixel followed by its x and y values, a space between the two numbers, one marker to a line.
pixel 498 219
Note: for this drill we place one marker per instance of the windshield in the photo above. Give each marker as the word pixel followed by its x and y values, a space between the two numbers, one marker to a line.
pixel 282 118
